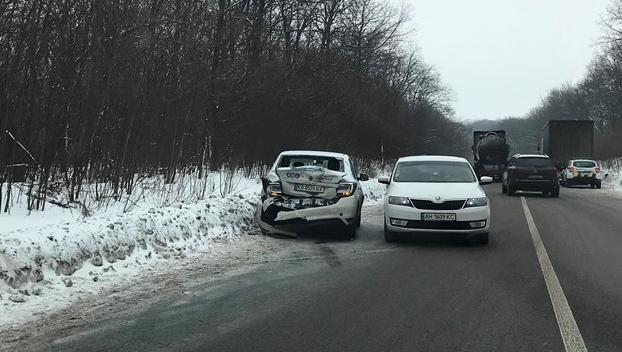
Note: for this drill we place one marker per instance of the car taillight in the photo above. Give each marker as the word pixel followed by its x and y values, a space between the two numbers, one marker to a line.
pixel 571 169
pixel 597 170
pixel 346 189
pixel 274 189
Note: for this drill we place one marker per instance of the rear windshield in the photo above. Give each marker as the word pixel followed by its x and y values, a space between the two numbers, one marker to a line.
pixel 433 171
pixel 534 162
pixel 584 163
pixel 326 162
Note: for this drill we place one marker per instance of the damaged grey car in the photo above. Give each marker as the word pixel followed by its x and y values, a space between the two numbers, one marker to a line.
pixel 310 189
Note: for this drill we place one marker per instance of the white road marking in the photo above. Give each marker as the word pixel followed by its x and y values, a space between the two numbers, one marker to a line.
pixel 573 341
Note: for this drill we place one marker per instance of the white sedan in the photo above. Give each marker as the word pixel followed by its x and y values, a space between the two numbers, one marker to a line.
pixel 436 194
pixel 308 189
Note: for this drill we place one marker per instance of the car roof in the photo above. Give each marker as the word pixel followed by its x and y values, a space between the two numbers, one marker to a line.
pixel 314 153
pixel 530 156
pixel 432 158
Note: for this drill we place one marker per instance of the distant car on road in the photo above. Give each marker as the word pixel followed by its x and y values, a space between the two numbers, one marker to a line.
pixel 435 194
pixel 530 172
pixel 306 189
pixel 582 172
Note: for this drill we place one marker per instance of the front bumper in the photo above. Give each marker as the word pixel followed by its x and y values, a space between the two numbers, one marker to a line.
pixel 276 219
pixel 415 225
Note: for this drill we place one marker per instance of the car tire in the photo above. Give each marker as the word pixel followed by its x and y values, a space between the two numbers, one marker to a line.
pixel 389 236
pixel 504 189
pixel 555 193
pixel 358 216
pixel 511 190
pixel 481 239
pixel 350 232
pixel 599 184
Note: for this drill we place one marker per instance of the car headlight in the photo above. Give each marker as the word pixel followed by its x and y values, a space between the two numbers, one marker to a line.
pixel 400 201
pixel 346 189
pixel 476 202
pixel 274 189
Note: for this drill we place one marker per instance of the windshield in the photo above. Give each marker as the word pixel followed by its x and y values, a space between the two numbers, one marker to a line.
pixel 584 163
pixel 326 162
pixel 534 162
pixel 434 171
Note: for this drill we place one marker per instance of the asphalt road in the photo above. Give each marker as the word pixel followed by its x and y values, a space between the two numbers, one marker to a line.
pixel 430 294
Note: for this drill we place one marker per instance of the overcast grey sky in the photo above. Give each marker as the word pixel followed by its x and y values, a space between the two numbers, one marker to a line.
pixel 500 57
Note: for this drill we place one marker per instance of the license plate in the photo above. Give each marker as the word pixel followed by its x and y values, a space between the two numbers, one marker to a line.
pixel 438 217
pixel 535 177
pixel 309 188
pixel 586 174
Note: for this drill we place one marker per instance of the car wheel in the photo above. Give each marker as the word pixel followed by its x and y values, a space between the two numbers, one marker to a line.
pixel 358 217
pixel 504 189
pixel 511 190
pixel 389 236
pixel 555 193
pixel 598 184
pixel 350 232
pixel 481 239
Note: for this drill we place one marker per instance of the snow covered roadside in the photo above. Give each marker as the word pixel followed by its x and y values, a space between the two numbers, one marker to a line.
pixel 59 258
pixel 42 267
pixel 613 167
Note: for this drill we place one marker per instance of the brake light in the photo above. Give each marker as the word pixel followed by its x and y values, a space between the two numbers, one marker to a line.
pixel 346 189
pixel 571 169
pixel 274 189
pixel 597 170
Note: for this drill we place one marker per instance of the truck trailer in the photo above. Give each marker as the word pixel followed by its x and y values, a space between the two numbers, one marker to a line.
pixel 563 140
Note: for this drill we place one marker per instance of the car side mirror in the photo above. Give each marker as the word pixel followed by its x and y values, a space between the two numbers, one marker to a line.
pixel 363 177
pixel 384 179
pixel 485 180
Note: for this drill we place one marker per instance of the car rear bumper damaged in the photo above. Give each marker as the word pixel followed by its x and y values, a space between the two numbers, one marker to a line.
pixel 288 215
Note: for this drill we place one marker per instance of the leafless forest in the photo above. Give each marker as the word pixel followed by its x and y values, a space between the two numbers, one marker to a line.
pixel 98 91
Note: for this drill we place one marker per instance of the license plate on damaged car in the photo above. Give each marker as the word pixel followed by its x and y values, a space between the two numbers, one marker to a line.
pixel 309 188
pixel 438 217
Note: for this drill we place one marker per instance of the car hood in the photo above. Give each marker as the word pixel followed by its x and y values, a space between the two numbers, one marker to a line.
pixel 432 190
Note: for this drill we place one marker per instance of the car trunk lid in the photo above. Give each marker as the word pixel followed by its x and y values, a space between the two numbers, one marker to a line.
pixel 310 181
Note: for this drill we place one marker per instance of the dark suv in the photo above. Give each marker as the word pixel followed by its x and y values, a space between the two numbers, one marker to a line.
pixel 530 172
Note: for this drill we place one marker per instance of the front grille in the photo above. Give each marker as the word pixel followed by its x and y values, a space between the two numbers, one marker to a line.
pixel 439 225
pixel 429 205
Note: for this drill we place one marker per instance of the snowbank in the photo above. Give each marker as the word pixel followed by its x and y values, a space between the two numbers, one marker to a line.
pixel 374 191
pixel 29 256
pixel 57 249
pixel 613 167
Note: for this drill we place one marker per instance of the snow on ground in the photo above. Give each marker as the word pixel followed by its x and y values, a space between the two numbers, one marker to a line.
pixel 50 259
pixel 613 168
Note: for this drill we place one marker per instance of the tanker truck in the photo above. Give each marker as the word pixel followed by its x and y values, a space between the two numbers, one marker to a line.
pixel 490 153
